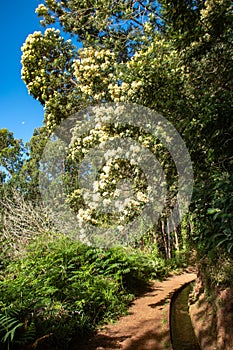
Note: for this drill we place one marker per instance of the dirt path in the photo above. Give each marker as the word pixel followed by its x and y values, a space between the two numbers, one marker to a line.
pixel 146 327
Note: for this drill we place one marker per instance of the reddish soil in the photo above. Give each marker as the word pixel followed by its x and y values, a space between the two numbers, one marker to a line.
pixel 146 327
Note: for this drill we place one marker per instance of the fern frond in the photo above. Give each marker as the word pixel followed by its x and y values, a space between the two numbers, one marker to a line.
pixel 28 336
pixel 8 326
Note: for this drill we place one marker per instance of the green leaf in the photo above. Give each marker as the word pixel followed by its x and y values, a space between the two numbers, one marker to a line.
pixel 212 211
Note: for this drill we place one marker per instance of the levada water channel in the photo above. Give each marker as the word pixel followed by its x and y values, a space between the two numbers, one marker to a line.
pixel 182 333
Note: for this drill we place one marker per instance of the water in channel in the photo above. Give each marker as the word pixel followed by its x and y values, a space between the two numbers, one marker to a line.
pixel 182 333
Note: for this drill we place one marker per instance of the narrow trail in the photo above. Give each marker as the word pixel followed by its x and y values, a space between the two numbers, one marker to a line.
pixel 146 327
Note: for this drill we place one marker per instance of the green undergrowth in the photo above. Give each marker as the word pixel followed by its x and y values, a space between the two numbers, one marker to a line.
pixel 62 290
pixel 216 271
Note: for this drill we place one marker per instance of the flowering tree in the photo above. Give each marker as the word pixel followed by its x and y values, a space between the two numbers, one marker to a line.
pixel 173 57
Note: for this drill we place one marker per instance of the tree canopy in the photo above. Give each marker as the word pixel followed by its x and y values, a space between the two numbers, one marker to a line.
pixel 174 57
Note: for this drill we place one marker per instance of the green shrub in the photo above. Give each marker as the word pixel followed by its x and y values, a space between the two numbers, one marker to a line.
pixel 214 214
pixel 66 289
pixel 217 272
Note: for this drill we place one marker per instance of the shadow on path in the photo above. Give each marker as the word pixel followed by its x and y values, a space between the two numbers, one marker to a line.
pixel 146 327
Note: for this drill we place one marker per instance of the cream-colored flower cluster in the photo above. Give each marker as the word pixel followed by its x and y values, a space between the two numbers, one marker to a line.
pixel 110 192
pixel 101 77
pixel 45 71
pixel 42 10
pixel 38 79
pixel 93 71
pixel 209 11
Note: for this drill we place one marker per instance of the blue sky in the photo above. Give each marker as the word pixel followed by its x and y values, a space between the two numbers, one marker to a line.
pixel 19 112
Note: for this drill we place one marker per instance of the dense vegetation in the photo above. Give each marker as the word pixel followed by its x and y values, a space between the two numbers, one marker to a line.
pixel 62 289
pixel 174 57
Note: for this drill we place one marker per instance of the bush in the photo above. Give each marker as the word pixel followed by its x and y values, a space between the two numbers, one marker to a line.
pixel 21 222
pixel 216 272
pixel 214 215
pixel 66 289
